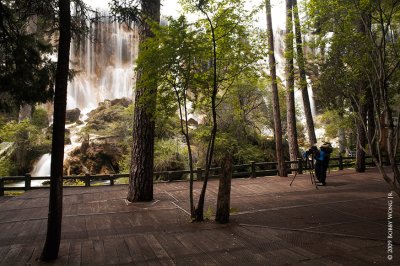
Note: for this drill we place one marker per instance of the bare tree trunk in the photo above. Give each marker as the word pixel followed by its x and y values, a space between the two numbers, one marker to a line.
pixel 183 114
pixel 275 97
pixel 371 127
pixel 141 171
pixel 303 79
pixel 53 237
pixel 290 101
pixel 199 212
pixel 342 141
pixel 224 190
pixel 361 139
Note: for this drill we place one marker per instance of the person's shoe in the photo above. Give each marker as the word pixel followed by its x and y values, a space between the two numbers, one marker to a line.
pixel 321 183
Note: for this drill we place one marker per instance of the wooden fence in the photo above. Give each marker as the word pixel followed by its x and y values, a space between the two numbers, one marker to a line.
pixel 253 169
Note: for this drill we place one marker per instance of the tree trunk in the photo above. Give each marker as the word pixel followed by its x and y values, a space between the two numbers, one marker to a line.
pixel 199 212
pixel 224 190
pixel 53 237
pixel 371 127
pixel 290 102
pixel 361 139
pixel 141 171
pixel 342 141
pixel 362 100
pixel 303 79
pixel 275 97
pixel 183 115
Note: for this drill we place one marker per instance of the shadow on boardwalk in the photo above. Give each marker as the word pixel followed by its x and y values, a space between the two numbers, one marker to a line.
pixel 345 223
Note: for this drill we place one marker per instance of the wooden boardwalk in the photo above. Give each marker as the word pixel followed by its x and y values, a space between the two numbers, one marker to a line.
pixel 344 223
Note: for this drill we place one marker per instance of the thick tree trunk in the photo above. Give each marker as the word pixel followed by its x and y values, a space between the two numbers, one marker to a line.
pixel 290 101
pixel 53 237
pixel 141 172
pixel 224 190
pixel 303 79
pixel 275 97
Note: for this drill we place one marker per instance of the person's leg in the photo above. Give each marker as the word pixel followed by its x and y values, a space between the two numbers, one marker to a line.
pixel 324 168
pixel 318 168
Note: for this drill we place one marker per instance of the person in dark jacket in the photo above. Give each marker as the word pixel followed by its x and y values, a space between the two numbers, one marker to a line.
pixel 322 157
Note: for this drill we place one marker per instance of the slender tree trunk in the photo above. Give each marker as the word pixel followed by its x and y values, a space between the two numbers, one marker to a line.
pixel 183 115
pixel 371 120
pixel 224 190
pixel 361 139
pixel 199 212
pixel 303 79
pixel 342 141
pixel 275 97
pixel 141 171
pixel 53 237
pixel 290 101
pixel 362 100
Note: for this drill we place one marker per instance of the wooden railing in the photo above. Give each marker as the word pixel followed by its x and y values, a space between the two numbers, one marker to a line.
pixel 253 169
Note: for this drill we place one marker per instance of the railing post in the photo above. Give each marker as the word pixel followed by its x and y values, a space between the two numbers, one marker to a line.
pixel 253 169
pixel 87 180
pixel 169 176
pixel 28 180
pixel 111 180
pixel 199 174
pixel 1 187
pixel 300 165
pixel 340 162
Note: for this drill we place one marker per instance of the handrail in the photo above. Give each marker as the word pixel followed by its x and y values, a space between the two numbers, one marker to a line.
pixel 264 169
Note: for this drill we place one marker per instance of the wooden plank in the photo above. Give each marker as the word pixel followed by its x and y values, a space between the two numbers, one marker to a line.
pixel 134 249
pixel 158 250
pixel 99 252
pixel 75 253
pixel 124 256
pixel 87 252
pixel 110 250
pixel 12 255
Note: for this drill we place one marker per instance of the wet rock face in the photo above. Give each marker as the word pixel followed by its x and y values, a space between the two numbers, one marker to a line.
pixel 73 115
pixel 94 157
pixel 103 139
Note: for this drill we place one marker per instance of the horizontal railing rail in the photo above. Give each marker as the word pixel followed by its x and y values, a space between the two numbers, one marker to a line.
pixel 252 169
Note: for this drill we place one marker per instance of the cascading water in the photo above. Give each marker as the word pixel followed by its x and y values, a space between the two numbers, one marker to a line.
pixel 42 167
pixel 105 65
pixel 104 69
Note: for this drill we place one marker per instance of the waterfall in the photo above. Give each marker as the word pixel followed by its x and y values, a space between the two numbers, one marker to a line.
pixel 103 63
pixel 42 167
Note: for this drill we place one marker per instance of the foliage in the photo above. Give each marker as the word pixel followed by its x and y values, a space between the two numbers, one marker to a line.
pixel 170 155
pixel 334 120
pixel 29 144
pixel 40 118
pixel 6 167
pixel 26 44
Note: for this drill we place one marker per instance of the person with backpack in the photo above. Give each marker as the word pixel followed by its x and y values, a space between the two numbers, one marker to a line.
pixel 322 157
